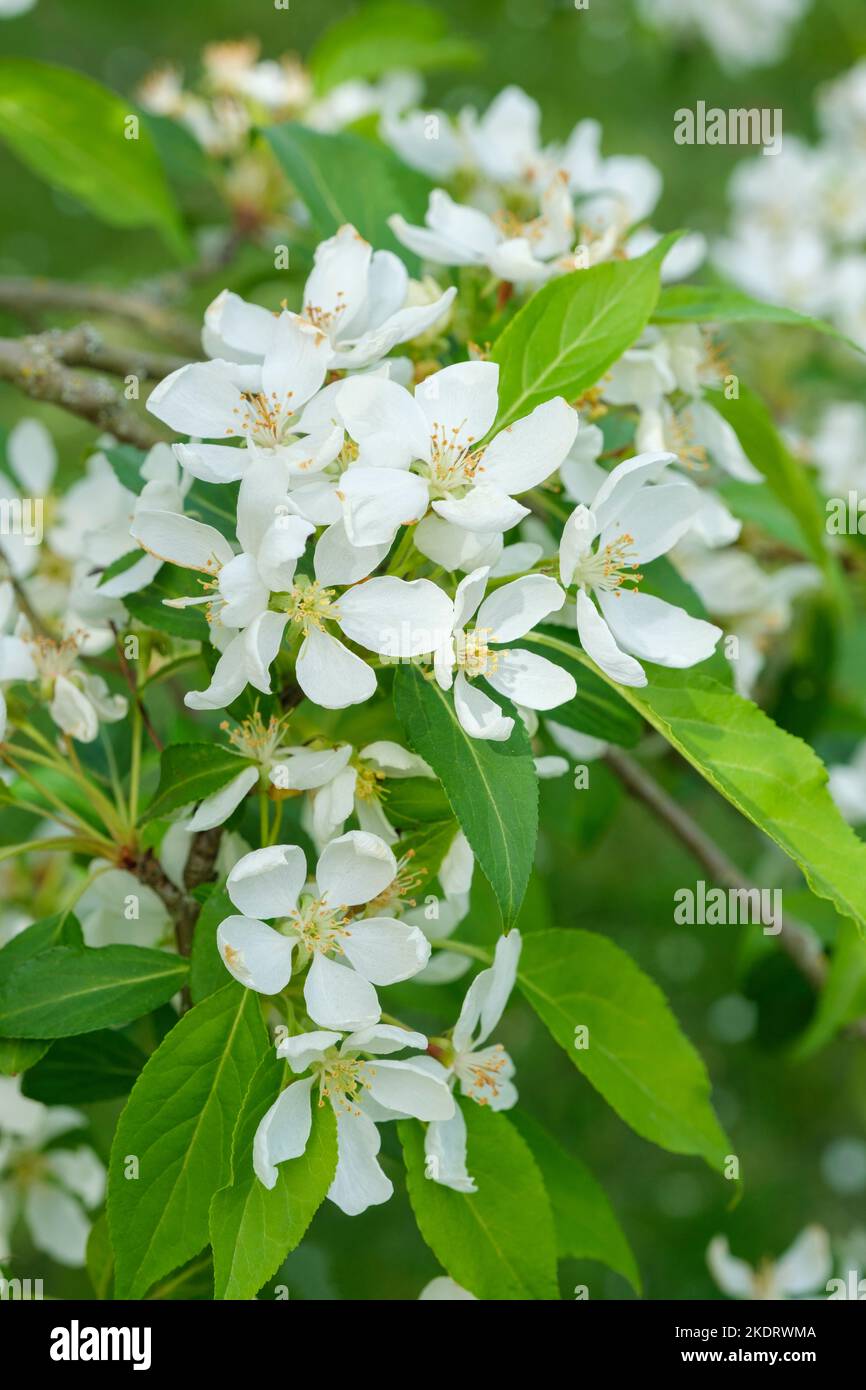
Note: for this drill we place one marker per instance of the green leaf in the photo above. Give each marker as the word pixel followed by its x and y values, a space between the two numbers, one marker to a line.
pixel 189 772
pixel 207 973
pixel 253 1228
pixel 788 478
pixel 70 990
pixel 585 1222
pixel 498 1242
pixel 492 787
pixel 100 1257
pixel 720 304
pixel 126 462
pixel 843 997
pixel 63 929
pixel 773 778
pixel 636 1057
pixel 72 132
pixel 379 184
pixel 596 710
pixel 384 37
pixel 571 330
pixel 95 1066
pixel 177 1125
pixel 148 607
pixel 415 799
pixel 17 1054
pixel 428 847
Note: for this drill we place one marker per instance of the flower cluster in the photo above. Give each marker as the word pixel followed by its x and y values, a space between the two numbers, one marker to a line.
pixel 798 225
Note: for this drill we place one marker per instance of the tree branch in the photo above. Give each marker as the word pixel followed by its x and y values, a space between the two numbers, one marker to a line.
pixel 35 365
pixel 25 298
pixel 797 940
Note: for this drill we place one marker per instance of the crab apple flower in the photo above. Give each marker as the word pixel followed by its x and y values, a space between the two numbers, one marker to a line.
pixel 320 923
pixel 342 782
pixel 483 1072
pixel 259 747
pixel 237 588
pixel 755 606
pixel 361 1092
pixel 426 448
pixel 76 700
pixel 257 403
pixel 51 1187
pixel 630 523
pixel 357 298
pixel 523 677
pixel 803 1269
pixel 519 252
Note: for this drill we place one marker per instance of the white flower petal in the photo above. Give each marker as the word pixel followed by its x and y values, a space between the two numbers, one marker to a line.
pixel 73 712
pixel 454 548
pixel 213 463
pixel 732 1275
pixel 383 1038
pixel 201 398
pixel 302 1049
pixel 528 679
pixel 480 716
pixel 516 608
pixel 215 809
pixel 32 457
pixel 267 882
pixel 484 509
pixel 385 421
pixel 261 642
pixel 255 954
pixel 337 997
pixel 281 547
pixel 807 1265
pixel 57 1224
pixel 283 1131
pixel 378 501
pixel 598 642
pixel 181 540
pixel 655 519
pixel 359 1182
pixel 396 617
pixel 355 868
pixel 409 1089
pixel 445 1153
pixel 330 675
pixel 460 402
pixel 654 630
pixel 385 951
pixel 338 561
pixel 305 769
pixel 295 362
pixel 526 453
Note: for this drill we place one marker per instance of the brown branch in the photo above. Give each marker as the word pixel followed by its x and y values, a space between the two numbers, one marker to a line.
pixel 182 907
pixel 798 941
pixel 25 297
pixel 36 368
pixel 83 346
pixel 128 676
pixel 794 938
